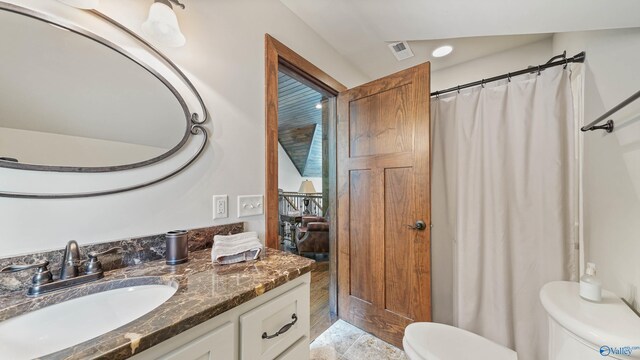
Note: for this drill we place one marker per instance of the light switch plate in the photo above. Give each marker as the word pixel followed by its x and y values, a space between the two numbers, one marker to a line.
pixel 220 207
pixel 250 205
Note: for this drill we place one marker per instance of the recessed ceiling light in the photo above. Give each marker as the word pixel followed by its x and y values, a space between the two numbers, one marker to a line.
pixel 318 106
pixel 442 51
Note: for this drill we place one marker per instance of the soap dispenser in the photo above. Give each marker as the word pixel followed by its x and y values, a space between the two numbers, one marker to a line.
pixel 590 286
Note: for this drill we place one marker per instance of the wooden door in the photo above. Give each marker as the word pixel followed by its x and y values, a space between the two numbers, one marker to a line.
pixel 384 265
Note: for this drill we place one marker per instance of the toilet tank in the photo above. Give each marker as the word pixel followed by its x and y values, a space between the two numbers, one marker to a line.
pixel 563 345
pixel 583 330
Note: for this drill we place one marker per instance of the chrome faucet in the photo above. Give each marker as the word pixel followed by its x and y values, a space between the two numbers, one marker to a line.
pixel 70 275
pixel 70 261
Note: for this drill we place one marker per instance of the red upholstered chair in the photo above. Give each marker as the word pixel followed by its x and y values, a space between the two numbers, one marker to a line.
pixel 313 236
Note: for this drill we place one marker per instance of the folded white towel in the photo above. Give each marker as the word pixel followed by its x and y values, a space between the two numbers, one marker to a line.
pixel 230 249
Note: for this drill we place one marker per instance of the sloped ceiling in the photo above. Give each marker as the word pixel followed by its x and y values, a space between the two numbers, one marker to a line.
pixel 297 142
pixel 360 29
pixel 300 125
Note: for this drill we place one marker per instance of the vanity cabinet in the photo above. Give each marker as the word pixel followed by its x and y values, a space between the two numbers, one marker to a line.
pixel 217 344
pixel 300 350
pixel 269 318
pixel 238 333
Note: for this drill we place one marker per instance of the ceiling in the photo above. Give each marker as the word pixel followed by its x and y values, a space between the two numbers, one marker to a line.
pixel 300 125
pixel 361 29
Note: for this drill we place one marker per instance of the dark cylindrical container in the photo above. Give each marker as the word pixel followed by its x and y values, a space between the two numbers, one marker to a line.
pixel 177 247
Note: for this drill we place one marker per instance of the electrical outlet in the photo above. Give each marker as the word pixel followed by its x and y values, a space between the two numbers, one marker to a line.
pixel 220 208
pixel 250 205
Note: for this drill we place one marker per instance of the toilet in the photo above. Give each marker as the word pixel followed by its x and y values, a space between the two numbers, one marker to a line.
pixel 433 341
pixel 578 329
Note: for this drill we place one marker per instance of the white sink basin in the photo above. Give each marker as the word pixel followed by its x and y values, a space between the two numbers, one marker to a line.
pixel 72 322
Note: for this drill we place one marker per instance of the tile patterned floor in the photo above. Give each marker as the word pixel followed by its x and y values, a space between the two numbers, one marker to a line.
pixel 343 341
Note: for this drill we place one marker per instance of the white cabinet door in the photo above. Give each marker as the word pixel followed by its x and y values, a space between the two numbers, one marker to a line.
pixel 215 345
pixel 286 315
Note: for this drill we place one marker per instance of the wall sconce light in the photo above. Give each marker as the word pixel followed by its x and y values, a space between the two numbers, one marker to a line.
pixel 162 24
pixel 82 4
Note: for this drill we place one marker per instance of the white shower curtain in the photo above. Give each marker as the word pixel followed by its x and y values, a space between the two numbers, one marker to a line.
pixel 504 160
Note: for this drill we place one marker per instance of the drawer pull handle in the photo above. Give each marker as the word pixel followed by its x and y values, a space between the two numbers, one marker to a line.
pixel 282 330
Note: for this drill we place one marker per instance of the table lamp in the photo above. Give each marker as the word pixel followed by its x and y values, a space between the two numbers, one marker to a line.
pixel 306 188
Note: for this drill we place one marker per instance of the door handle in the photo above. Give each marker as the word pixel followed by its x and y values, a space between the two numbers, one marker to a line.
pixel 419 225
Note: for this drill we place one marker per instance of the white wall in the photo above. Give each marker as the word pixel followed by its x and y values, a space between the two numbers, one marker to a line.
pixel 611 161
pixel 441 240
pixel 224 58
pixel 513 59
pixel 40 148
pixel 289 178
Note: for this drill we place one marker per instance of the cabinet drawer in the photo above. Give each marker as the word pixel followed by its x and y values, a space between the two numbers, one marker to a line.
pixel 271 317
pixel 299 351
pixel 215 345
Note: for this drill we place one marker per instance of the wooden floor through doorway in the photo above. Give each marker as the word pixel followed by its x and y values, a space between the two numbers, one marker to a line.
pixel 321 320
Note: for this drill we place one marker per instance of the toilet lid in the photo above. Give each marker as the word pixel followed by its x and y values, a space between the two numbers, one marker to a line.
pixel 433 341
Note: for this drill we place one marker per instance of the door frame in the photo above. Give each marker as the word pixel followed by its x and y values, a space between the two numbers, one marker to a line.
pixel 279 57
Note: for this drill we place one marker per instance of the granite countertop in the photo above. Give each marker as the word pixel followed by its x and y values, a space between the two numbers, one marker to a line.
pixel 204 291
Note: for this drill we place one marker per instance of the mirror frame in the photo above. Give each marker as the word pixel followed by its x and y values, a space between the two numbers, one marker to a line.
pixel 194 124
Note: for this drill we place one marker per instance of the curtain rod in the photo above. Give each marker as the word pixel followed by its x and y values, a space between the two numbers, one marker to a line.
pixel 608 126
pixel 564 60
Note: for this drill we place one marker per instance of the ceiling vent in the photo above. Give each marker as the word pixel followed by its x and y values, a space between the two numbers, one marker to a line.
pixel 401 50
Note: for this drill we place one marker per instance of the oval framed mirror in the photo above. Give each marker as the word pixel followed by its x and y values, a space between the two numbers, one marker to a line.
pixel 85 104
